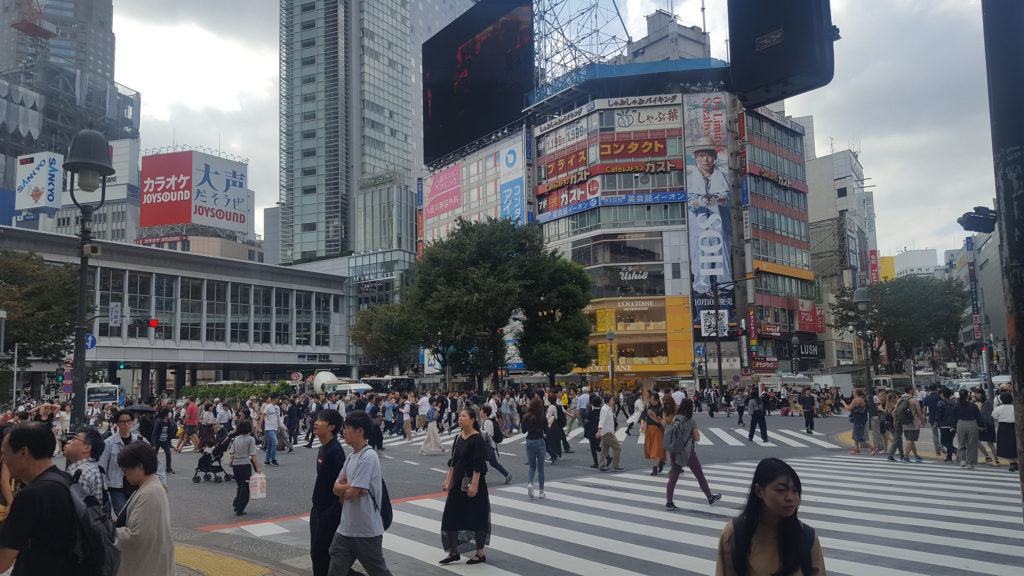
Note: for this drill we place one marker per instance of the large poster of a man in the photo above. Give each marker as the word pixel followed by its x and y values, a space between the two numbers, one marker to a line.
pixel 709 218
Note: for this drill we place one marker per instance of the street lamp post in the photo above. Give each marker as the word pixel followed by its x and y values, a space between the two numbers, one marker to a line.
pixel 610 336
pixel 862 300
pixel 89 157
pixel 794 354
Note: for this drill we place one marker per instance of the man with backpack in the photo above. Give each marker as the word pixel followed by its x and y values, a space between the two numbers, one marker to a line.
pixel 81 452
pixel 360 534
pixel 908 419
pixel 42 519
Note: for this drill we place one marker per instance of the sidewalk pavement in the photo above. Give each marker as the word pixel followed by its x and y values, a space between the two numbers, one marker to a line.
pixel 196 561
pixel 924 447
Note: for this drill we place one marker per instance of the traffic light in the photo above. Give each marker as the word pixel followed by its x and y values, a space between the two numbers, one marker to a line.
pixel 981 220
pixel 60 375
pixel 153 322
pixel 142 323
pixel 779 48
pixel 700 369
pixel 740 332
pixel 123 366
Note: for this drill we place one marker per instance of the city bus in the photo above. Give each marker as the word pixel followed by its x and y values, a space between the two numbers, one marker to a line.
pixel 390 383
pixel 104 393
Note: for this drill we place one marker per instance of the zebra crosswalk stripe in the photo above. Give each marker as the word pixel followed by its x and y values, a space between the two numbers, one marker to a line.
pixel 871 517
pixel 807 438
pixel 725 436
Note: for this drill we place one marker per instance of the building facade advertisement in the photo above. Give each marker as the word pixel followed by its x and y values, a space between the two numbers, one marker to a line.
pixel 873 257
pixel 593 202
pixel 442 192
pixel 634 148
pixel 511 187
pixel 651 117
pixel 220 194
pixel 807 317
pixel 765 365
pixel 195 188
pixel 709 219
pixel 40 180
pixel 565 136
pixel 166 189
pixel 606 104
pixel 567 163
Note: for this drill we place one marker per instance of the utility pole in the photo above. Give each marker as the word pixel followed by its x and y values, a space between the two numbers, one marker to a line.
pixel 1003 45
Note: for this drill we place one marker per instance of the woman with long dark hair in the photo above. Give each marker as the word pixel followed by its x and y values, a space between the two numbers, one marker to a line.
pixel 683 417
pixel 466 520
pixel 535 426
pixel 767 537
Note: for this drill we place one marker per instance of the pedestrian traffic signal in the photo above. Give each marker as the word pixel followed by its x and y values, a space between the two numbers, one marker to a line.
pixel 700 369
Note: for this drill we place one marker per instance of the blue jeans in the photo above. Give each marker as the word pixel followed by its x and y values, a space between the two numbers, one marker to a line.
pixel 118 500
pixel 271 436
pixel 535 450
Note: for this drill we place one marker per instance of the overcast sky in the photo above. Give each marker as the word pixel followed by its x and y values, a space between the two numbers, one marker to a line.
pixel 909 94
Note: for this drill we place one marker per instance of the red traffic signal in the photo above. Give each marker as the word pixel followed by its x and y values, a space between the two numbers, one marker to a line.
pixel 740 332
pixel 153 322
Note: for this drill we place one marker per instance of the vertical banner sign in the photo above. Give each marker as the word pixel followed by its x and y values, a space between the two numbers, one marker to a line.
pixel 40 179
pixel 709 218
pixel 511 186
pixel 972 275
pixel 873 257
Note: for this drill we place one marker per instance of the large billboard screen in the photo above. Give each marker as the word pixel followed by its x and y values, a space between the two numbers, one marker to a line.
pixel 709 217
pixel 196 188
pixel 476 73
pixel 40 180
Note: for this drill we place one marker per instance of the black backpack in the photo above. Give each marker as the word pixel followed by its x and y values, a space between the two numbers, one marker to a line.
pixel 560 419
pixel 97 551
pixel 498 435
pixel 904 413
pixel 387 514
pixel 414 410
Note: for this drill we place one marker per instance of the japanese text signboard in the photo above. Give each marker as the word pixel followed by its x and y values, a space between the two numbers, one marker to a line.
pixel 195 188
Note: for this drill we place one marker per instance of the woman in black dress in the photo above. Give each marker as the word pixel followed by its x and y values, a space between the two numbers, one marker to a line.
pixel 467 509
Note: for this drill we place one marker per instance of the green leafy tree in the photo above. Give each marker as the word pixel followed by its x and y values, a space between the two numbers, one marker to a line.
pixel 555 330
pixel 388 336
pixel 911 312
pixel 40 300
pixel 467 287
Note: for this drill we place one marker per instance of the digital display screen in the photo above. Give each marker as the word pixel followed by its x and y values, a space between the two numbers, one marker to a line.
pixel 476 74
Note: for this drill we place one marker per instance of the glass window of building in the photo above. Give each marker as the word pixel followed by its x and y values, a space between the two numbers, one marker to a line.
pixel 191 309
pixel 240 309
pixel 165 299
pixel 322 319
pixel 262 314
pixel 283 315
pixel 303 317
pixel 139 304
pixel 111 290
pixel 216 310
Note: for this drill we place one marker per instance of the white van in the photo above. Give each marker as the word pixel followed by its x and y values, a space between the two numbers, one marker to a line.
pixel 346 387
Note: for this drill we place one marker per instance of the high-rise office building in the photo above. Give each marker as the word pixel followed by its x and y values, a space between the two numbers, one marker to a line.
pixel 350 134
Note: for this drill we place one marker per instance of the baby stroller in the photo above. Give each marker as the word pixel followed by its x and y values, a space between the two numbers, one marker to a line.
pixel 209 462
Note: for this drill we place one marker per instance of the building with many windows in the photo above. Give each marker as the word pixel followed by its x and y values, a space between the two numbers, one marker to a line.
pixel 249 321
pixel 774 193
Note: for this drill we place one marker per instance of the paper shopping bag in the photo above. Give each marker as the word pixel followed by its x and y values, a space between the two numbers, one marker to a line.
pixel 257 487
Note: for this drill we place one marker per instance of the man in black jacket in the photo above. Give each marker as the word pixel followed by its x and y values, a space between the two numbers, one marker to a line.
pixel 808 402
pixel 325 515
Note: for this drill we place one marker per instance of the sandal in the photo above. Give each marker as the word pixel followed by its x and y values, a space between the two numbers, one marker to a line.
pixel 854 451
pixel 874 450
pixel 449 559
pixel 988 460
pixel 476 560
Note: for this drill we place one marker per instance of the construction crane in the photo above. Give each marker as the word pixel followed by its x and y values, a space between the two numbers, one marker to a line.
pixel 30 19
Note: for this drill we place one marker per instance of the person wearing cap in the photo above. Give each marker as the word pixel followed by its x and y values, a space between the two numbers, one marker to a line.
pixel 708 199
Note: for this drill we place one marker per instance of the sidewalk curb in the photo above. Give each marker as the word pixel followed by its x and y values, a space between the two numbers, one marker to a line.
pixel 846 438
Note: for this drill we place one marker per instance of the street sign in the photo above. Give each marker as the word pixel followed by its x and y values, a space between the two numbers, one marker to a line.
pixel 735 378
pixel 699 350
pixel 68 375
pixel 90 341
pixel 68 363
pixel 693 364
pixel 296 376
pixel 115 313
pixel 66 388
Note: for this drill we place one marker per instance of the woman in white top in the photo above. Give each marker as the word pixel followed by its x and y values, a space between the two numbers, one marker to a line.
pixel 1006 433
pixel 432 442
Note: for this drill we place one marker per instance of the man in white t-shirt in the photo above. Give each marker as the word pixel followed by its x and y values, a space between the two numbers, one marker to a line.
pixel 360 534
pixel 271 424
pixel 424 406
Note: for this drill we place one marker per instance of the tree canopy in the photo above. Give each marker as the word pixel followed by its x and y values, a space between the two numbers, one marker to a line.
pixel 388 337
pixel 912 311
pixel 468 286
pixel 40 300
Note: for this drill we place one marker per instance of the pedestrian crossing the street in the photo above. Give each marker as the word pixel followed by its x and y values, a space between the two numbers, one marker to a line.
pixel 718 437
pixel 871 517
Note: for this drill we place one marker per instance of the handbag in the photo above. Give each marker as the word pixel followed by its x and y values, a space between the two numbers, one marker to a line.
pixel 466 481
pixel 258 486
